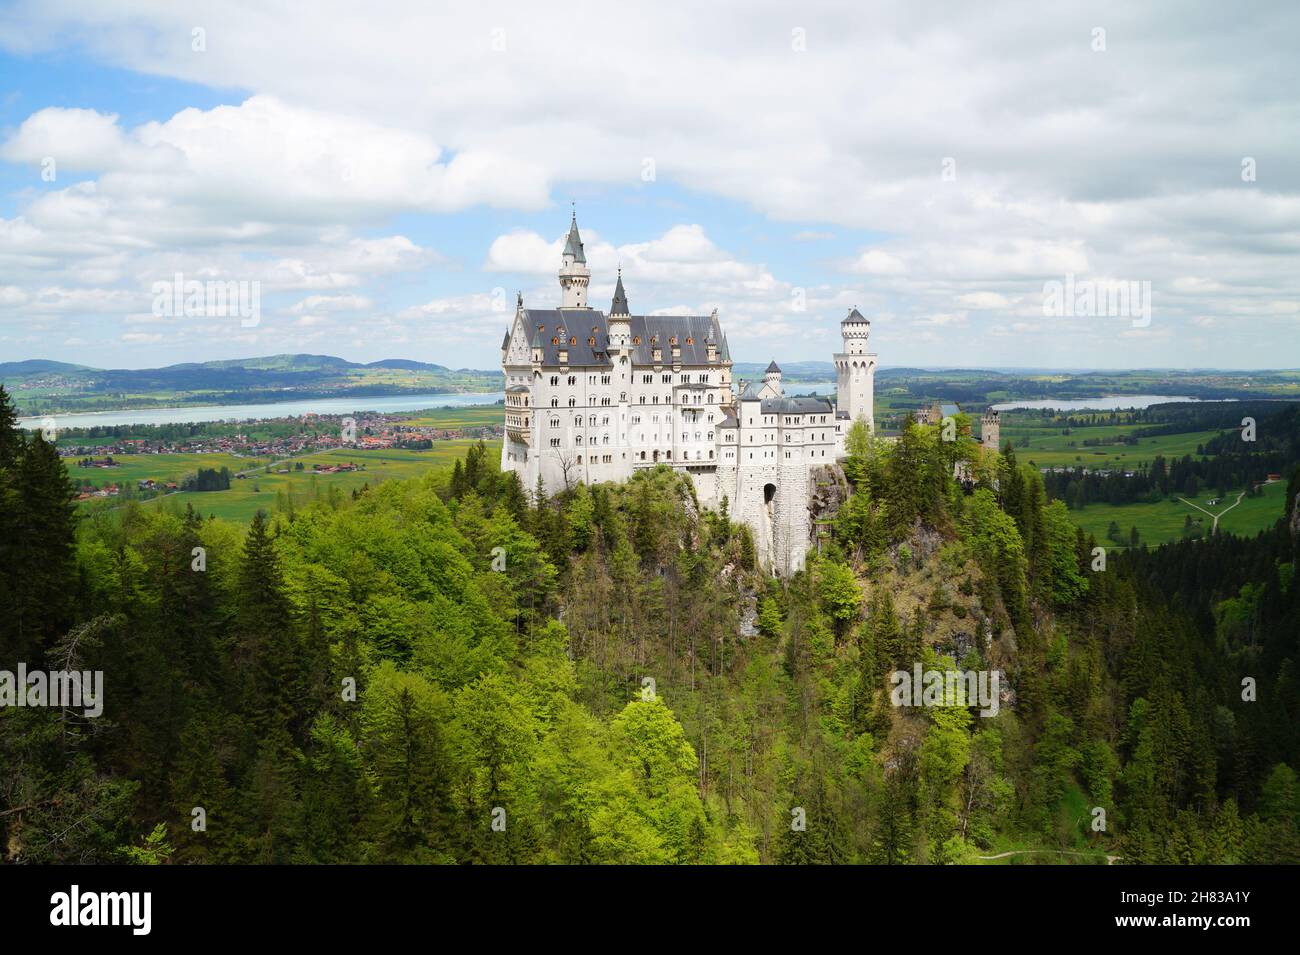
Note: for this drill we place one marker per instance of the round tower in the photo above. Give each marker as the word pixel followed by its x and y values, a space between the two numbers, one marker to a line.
pixel 856 370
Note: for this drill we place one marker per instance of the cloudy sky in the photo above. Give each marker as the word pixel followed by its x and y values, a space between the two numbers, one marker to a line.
pixel 391 173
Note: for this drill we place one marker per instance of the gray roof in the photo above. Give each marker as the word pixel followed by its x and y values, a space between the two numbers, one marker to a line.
pixel 584 324
pixel 854 316
pixel 750 391
pixel 801 405
pixel 573 246
pixel 619 306
pixel 729 421
pixel 505 342
pixel 772 368
pixel 517 389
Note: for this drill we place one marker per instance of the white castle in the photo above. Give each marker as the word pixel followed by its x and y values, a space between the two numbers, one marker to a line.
pixel 592 397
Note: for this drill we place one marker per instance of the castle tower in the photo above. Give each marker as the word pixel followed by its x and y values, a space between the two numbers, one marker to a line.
pixel 990 430
pixel 620 320
pixel 772 379
pixel 574 274
pixel 856 370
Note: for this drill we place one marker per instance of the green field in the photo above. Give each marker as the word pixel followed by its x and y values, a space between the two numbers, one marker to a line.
pixel 1162 522
pixel 161 467
pixel 1049 448
pixel 471 416
pixel 261 491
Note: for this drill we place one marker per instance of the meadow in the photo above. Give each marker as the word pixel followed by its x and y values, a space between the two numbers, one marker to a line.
pixel 133 468
pixel 470 416
pixel 1048 447
pixel 275 491
pixel 1163 522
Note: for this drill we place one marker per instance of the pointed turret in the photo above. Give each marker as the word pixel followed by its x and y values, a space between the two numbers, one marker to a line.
pixel 574 274
pixel 619 305
pixel 573 245
pixel 620 321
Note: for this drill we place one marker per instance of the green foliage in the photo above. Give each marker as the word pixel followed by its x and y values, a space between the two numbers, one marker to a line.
pixel 439 670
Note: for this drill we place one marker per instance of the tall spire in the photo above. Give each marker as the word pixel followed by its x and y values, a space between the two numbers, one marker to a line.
pixel 619 306
pixel 574 274
pixel 573 245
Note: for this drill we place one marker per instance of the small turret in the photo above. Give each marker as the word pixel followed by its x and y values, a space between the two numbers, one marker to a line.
pixel 620 322
pixel 772 377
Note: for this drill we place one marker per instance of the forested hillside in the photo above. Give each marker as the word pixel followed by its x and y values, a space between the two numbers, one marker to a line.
pixel 458 669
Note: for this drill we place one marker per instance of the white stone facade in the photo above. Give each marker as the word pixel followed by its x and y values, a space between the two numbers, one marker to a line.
pixel 592 397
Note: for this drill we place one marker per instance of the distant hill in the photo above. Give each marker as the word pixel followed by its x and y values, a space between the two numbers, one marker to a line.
pixel 35 366
pixel 41 387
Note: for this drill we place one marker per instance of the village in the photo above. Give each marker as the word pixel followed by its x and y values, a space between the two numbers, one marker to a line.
pixel 278 439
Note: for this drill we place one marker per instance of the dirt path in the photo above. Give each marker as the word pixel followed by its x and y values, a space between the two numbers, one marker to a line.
pixel 1218 515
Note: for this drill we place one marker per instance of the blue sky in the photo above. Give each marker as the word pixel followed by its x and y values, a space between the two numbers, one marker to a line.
pixel 388 182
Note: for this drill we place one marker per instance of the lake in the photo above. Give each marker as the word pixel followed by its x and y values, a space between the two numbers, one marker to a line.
pixel 270 409
pixel 1107 403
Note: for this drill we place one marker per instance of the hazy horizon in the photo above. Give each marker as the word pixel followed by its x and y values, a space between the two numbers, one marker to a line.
pixel 759 360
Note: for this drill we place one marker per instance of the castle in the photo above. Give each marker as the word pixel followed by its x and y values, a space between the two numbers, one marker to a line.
pixel 594 397
pixel 990 421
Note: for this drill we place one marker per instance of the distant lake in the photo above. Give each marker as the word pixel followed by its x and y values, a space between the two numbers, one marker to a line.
pixel 1108 403
pixel 270 409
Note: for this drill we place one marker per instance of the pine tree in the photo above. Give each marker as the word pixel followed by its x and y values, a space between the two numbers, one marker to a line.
pixel 39 559
pixel 266 647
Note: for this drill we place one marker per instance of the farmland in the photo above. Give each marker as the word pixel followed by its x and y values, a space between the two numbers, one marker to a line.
pixel 1162 522
pixel 1048 447
pixel 275 491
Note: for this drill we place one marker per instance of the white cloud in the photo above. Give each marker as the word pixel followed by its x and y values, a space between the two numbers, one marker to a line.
pixel 1123 165
pixel 876 262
